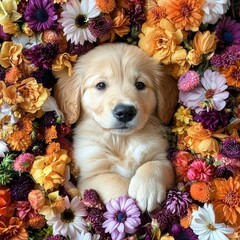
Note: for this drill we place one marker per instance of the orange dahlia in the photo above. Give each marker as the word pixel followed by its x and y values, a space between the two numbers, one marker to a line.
pixel 200 191
pixel 106 6
pixel 155 14
pixel 186 14
pixel 226 200
pixel 232 74
pixel 50 134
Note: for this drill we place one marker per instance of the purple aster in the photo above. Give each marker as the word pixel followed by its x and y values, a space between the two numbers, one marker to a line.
pixel 224 171
pixel 42 56
pixel 227 58
pixel 231 148
pixel 91 199
pixel 228 32
pixel 177 202
pixel 45 77
pixel 78 48
pixel 40 14
pixel 165 218
pixel 212 119
pixel 100 26
pixel 180 233
pixel 21 186
pixel 122 216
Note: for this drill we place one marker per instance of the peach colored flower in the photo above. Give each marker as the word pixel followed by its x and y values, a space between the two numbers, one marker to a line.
pixel 11 54
pixel 34 95
pixel 48 171
pixel 161 41
pixel 194 57
pixel 37 199
pixel 184 14
pixel 226 200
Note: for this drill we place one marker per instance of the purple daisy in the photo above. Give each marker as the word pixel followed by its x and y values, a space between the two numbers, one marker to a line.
pixel 40 14
pixel 177 202
pixel 231 148
pixel 42 56
pixel 227 58
pixel 228 32
pixel 123 216
pixel 212 119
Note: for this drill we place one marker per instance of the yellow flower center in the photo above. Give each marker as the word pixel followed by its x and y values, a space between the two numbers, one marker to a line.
pixel 211 227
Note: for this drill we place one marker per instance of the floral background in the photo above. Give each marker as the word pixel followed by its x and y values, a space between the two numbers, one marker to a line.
pixel 197 40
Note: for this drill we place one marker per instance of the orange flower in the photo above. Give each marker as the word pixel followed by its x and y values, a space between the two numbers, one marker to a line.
pixel 226 200
pixel 155 14
pixel 120 24
pixel 200 191
pixel 5 199
pixel 232 74
pixel 13 229
pixel 50 134
pixel 19 141
pixel 37 199
pixel 52 147
pixel 186 221
pixel 12 75
pixel 186 14
pixel 37 222
pixel 106 6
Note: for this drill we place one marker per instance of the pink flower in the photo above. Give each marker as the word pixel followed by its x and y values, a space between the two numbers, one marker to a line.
pixel 198 170
pixel 210 94
pixel 188 81
pixel 23 163
pixel 25 210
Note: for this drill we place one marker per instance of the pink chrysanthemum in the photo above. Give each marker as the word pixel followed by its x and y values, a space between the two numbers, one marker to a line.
pixel 198 170
pixel 24 210
pixel 23 162
pixel 188 81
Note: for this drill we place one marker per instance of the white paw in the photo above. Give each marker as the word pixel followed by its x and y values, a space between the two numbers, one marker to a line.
pixel 149 193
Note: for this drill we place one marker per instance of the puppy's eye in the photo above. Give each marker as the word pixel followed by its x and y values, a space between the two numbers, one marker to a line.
pixel 140 85
pixel 101 86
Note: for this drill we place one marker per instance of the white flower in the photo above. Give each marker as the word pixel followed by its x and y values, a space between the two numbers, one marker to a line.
pixel 3 148
pixel 70 222
pixel 210 94
pixel 27 41
pixel 203 224
pixel 51 105
pixel 89 236
pixel 6 111
pixel 214 9
pixel 75 18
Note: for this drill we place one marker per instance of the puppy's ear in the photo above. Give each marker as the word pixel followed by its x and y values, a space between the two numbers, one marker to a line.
pixel 67 92
pixel 167 95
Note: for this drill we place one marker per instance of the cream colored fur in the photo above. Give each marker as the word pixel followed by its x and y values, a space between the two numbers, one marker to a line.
pixel 116 161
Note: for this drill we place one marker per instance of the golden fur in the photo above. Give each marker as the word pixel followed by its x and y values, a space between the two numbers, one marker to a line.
pixel 118 158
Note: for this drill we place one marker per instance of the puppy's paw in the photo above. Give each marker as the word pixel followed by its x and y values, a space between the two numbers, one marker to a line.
pixel 149 193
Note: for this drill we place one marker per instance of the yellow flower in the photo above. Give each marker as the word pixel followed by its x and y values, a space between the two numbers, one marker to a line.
pixel 161 41
pixel 64 60
pixel 48 171
pixel 10 54
pixel 178 70
pixel 184 115
pixel 8 15
pixel 205 42
pixel 34 95
pixel 194 57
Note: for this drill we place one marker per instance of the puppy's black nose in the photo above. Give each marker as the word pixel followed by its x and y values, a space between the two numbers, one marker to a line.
pixel 124 113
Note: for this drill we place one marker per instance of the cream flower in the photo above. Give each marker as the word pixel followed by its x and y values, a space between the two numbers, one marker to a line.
pixel 74 19
pixel 203 224
pixel 70 222
pixel 3 148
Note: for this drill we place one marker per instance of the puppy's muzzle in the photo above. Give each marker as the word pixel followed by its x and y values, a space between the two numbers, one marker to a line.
pixel 124 113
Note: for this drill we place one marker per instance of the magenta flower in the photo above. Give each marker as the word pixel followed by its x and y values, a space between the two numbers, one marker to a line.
pixel 40 14
pixel 188 81
pixel 24 210
pixel 198 170
pixel 210 94
pixel 123 216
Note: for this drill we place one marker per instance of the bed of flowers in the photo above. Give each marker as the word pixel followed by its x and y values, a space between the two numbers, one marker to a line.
pixel 197 40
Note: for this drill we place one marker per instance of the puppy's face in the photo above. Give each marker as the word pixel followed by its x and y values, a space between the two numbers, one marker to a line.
pixel 118 91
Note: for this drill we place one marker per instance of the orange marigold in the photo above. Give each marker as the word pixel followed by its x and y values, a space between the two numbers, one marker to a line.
pixel 106 6
pixel 155 14
pixel 12 75
pixel 232 74
pixel 52 147
pixel 25 125
pixel 200 191
pixel 226 200
pixel 185 14
pixel 50 134
pixel 19 141
pixel 13 228
pixel 37 222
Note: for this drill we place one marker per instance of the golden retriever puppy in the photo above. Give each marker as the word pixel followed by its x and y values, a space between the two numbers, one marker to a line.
pixel 119 97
